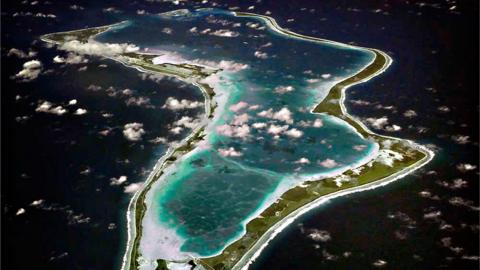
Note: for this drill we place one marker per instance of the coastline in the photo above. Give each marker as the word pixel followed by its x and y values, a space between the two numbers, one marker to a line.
pixel 254 250
pixel 137 205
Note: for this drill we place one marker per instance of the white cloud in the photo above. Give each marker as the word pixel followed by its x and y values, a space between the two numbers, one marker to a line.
pixel 461 139
pixel 360 102
pixel 277 130
pixel 314 80
pixel 231 66
pixel 18 53
pixel 80 111
pixel 253 25
pixel 266 45
pixel 382 123
pixel 360 147
pixel 259 125
pixel 225 33
pixel 93 87
pixel 444 109
pixel 176 130
pixel 387 144
pixel 319 235
pixel 118 181
pixel 72 102
pixel 127 92
pixel 242 131
pixel 379 263
pixel 432 214
pixel 383 107
pixel 38 15
pixel 283 89
pixel 111 10
pixel 72 58
pixel 388 157
pixel 76 7
pixel 167 30
pixel 378 123
pixel 48 107
pixel 302 160
pixel 393 128
pixel 223 64
pixel 139 101
pixel 105 132
pixel 240 119
pixel 261 55
pixel 21 54
pixel 44 106
pixel 410 113
pixel 97 48
pixel 234 131
pixel 205 31
pixel 282 115
pixel 230 152
pixel 328 163
pixel 465 167
pixel 326 76
pixel 133 131
pixel 294 133
pixel 169 57
pixel 132 188
pixel 174 104
pixel 238 106
pixel 318 123
pixel 186 121
pixel 254 107
pixel 37 202
pixel 31 70
pixel 20 211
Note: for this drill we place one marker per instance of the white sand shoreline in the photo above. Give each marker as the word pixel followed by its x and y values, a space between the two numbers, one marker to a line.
pixel 255 251
pixel 250 256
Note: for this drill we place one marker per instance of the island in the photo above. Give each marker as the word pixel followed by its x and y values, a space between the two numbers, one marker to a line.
pixel 223 137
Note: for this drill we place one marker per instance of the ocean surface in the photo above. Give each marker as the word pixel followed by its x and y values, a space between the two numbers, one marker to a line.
pixel 263 138
pixel 428 220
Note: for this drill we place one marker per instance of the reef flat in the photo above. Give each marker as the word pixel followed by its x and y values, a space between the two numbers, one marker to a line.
pixel 392 158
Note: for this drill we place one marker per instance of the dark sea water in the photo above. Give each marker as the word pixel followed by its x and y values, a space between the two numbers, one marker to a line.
pixel 62 162
pixel 207 204
pixel 416 223
pixel 435 64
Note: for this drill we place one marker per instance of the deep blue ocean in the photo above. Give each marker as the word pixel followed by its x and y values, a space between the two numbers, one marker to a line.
pixel 64 166
pixel 206 204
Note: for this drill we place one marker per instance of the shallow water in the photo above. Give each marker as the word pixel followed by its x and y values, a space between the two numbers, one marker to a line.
pixel 212 192
pixel 431 48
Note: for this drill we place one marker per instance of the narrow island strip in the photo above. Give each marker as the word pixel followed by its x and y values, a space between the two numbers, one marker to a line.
pixel 406 156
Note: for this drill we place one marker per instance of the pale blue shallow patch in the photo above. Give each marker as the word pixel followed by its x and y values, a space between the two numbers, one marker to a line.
pixel 208 197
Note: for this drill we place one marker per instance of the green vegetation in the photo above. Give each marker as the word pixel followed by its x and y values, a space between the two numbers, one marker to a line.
pixel 144 61
pixel 82 35
pixel 161 265
pixel 300 196
pixel 292 199
pixel 183 71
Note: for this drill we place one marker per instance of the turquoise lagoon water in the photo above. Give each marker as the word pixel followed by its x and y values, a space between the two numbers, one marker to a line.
pixel 209 196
